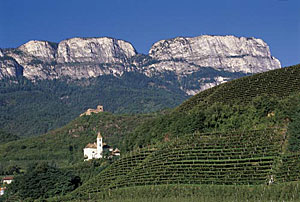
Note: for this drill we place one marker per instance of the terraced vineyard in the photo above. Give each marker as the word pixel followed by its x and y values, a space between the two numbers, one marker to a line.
pixel 236 158
pixel 289 169
pixel 279 82
pixel 119 169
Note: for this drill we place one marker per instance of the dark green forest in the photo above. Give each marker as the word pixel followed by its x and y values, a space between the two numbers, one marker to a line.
pixel 7 137
pixel 43 181
pixel 31 108
pixel 35 107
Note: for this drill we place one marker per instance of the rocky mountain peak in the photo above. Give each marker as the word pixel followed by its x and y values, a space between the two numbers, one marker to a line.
pixel 223 52
pixel 76 57
pixel 39 49
pixel 95 50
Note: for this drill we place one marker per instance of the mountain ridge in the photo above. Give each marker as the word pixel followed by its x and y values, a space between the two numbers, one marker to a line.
pixel 82 57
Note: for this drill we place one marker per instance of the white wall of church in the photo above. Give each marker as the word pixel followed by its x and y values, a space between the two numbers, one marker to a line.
pixel 89 153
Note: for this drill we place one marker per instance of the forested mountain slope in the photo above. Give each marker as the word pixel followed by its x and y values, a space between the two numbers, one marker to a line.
pixel 31 108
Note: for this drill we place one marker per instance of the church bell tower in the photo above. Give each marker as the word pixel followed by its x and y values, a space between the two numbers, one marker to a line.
pixel 99 145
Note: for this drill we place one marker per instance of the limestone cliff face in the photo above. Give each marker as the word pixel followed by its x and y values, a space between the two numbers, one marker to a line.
pixel 9 67
pixel 76 58
pixel 196 63
pixel 94 50
pixel 248 55
pixel 35 57
pixel 43 50
pixel 92 57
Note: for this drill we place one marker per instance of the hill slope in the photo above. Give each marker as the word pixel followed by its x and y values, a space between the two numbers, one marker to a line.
pixel 236 155
pixel 237 100
pixel 236 158
pixel 142 130
pixel 279 83
pixel 245 143
pixel 64 146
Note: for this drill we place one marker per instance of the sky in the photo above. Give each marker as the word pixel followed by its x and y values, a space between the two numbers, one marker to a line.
pixel 143 22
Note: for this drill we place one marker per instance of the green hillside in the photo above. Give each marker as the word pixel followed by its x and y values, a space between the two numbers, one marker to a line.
pixel 244 144
pixel 232 158
pixel 64 146
pixel 279 83
pixel 252 147
pixel 239 104
pixel 236 158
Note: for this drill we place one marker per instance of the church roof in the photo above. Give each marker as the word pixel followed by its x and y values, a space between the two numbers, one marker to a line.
pixel 99 135
pixel 91 145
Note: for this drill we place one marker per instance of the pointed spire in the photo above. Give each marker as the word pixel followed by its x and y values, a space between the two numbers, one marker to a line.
pixel 99 135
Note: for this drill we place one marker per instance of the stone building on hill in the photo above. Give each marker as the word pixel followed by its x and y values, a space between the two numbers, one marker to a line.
pixel 90 111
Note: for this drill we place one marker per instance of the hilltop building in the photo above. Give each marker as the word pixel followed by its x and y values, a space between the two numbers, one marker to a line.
pixel 95 150
pixel 90 111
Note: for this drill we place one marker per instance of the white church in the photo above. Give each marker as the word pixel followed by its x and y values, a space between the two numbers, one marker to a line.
pixel 95 150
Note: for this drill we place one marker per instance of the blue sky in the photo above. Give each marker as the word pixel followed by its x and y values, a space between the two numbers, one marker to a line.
pixel 144 22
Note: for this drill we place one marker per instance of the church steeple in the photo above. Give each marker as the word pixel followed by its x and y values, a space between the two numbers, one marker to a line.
pixel 99 145
pixel 99 135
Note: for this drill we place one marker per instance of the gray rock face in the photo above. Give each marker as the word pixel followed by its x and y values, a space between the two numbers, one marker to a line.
pixel 94 50
pixel 92 57
pixel 186 58
pixel 36 58
pixel 76 58
pixel 9 68
pixel 248 55
pixel 43 50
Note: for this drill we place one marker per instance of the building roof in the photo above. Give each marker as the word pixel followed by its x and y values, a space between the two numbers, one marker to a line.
pixel 91 145
pixel 116 150
pixel 99 135
pixel 8 178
